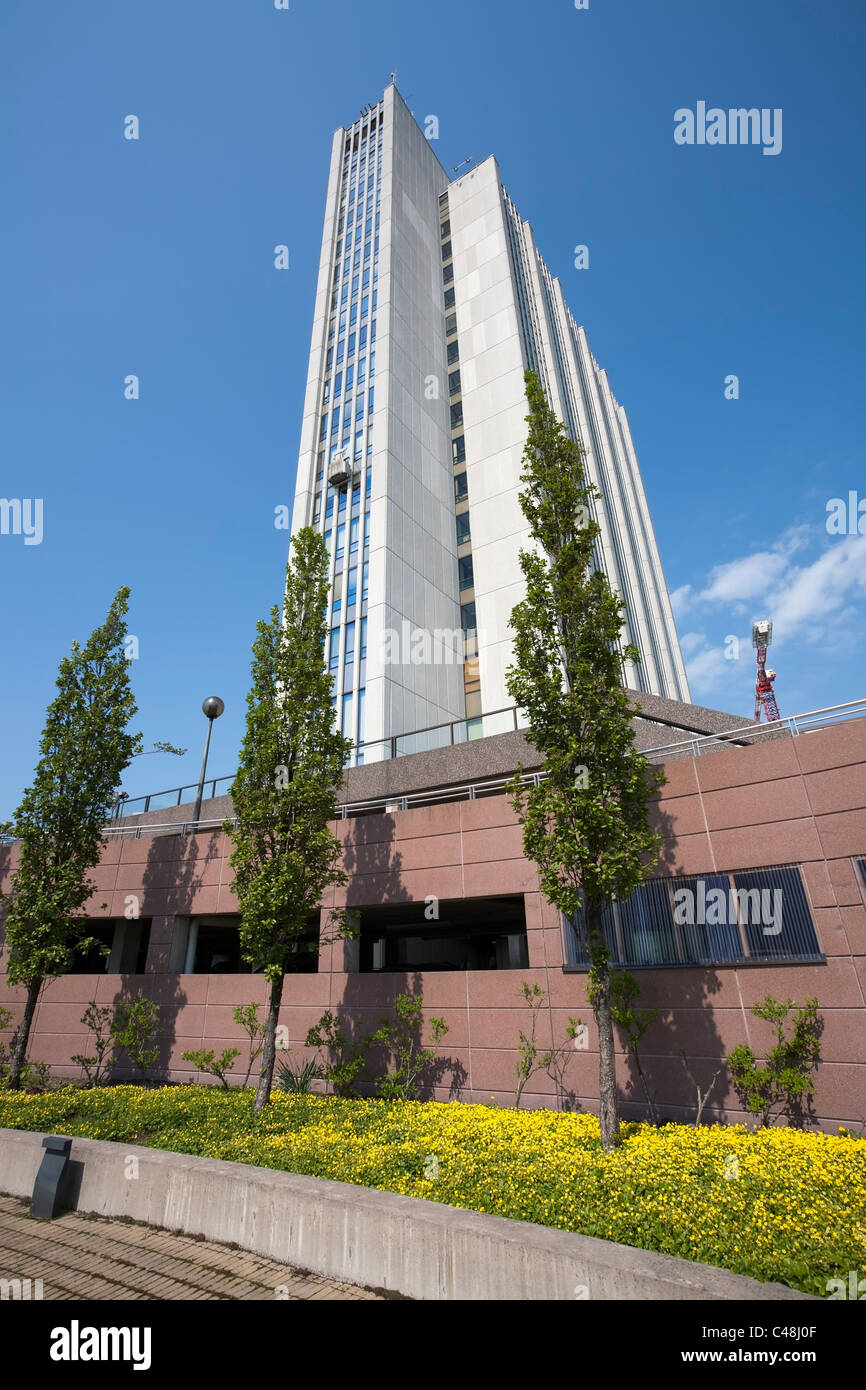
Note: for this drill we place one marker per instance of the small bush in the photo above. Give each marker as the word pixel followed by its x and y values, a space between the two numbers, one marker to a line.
pixel 784 1080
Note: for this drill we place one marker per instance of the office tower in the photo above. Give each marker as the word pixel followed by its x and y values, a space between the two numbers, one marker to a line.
pixel 432 300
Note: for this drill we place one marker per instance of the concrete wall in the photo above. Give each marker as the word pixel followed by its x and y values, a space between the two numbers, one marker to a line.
pixel 795 800
pixel 421 1249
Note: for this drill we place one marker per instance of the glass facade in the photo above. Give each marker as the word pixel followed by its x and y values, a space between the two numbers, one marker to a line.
pixel 348 404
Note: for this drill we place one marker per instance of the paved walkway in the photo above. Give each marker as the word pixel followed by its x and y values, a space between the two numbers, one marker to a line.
pixel 95 1257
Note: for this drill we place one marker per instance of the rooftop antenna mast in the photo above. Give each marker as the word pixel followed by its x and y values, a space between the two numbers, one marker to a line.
pixel 762 636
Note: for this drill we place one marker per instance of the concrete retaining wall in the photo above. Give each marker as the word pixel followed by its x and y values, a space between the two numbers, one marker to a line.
pixel 421 1249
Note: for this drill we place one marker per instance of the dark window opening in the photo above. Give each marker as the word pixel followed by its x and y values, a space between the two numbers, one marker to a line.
pixel 217 949
pixel 127 942
pixel 472 934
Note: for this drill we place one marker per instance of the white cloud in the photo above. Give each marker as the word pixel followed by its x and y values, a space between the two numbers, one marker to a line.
pixel 809 601
pixel 743 579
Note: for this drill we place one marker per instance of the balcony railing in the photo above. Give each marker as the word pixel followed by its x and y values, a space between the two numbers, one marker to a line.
pixel 465 731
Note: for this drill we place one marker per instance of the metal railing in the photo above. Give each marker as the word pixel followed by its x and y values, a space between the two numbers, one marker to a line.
pixel 460 731
pixel 748 734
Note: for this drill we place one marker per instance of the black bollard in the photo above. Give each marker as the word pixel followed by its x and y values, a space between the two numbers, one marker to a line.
pixel 48 1188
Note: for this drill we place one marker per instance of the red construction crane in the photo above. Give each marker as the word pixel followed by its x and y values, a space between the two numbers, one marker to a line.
pixel 762 635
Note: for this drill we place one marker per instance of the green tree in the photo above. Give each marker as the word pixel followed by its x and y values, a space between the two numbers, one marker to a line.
pixel 84 749
pixel 785 1078
pixel 291 766
pixel 135 1029
pixel 585 825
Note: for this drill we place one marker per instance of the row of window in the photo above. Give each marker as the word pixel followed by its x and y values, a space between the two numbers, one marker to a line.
pixel 349 643
pixel 711 919
pixel 759 915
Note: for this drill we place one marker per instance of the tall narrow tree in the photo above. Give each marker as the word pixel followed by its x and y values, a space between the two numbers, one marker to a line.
pixel 291 766
pixel 84 750
pixel 585 825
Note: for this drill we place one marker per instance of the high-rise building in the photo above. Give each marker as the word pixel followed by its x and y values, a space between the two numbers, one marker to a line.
pixel 432 300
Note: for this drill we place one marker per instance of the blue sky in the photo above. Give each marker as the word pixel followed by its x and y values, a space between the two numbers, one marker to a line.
pixel 155 257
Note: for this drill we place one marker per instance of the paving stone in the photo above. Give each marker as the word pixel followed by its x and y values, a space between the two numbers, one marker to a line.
pixel 80 1257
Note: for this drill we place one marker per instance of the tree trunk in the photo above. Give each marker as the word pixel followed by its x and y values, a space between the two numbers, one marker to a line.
pixel 16 1065
pixel 269 1044
pixel 608 1103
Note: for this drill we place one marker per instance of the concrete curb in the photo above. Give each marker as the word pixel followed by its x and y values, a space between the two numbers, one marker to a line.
pixel 357 1235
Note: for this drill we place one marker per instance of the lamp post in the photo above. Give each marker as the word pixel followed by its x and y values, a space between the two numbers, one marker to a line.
pixel 211 708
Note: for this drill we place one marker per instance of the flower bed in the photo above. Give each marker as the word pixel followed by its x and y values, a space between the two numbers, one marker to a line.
pixel 778 1204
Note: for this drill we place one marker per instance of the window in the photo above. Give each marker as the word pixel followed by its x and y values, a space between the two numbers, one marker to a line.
pixel 461 487
pixel 338 384
pixel 446 250
pixel 350 643
pixel 453 353
pixel 365 306
pixel 334 653
pixel 368 486
pixel 458 449
pixel 346 724
pixel 359 406
pixel 449 298
pixel 353 532
pixel 363 652
pixel 457 415
pixel 448 273
pixel 124 950
pixel 465 572
pixel 718 918
pixel 214 948
pixel 445 229
pixel 352 589
pixel 362 370
pixel 350 372
pixel 451 324
pixel 467 616
pixel 341 348
pixel 327 539
pixel 366 530
pixel 453 383
pixel 351 344
pixel 329 505
pixel 370 399
pixel 337 596
pixel 362 694
pixel 462 528
pixel 365 575
pixel 317 506
pixel 324 426
pixel 341 508
pixel 341 533
pixel 362 339
pixel 480 934
pixel 353 315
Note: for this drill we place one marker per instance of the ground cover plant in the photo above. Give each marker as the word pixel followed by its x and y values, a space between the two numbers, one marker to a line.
pixel 776 1203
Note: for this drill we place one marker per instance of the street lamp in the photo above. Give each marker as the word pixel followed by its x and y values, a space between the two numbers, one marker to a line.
pixel 211 708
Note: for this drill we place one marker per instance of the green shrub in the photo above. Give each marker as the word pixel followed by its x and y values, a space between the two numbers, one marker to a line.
pixel 784 1080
